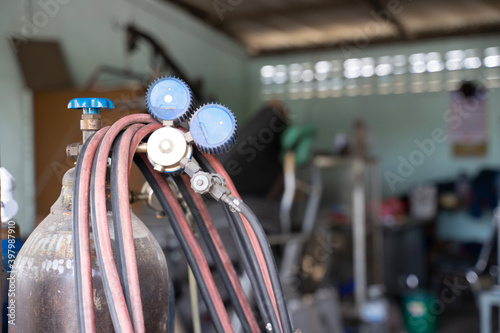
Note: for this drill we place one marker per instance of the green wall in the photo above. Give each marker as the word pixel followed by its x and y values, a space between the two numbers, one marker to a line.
pixel 395 120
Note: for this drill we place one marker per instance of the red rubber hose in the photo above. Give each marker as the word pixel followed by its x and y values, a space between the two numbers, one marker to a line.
pixel 123 322
pixel 133 286
pixel 138 136
pixel 83 231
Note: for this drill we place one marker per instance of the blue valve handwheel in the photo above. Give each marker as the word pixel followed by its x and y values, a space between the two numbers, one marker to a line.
pixel 169 98
pixel 90 105
pixel 213 128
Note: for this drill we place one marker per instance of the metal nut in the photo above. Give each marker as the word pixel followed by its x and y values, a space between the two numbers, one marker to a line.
pixel 73 149
pixel 200 183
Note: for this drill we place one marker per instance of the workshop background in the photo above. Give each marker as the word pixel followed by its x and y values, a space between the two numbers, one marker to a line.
pixel 377 81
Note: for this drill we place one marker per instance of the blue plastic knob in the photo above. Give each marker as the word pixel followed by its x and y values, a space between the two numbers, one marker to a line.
pixel 213 128
pixel 90 105
pixel 169 98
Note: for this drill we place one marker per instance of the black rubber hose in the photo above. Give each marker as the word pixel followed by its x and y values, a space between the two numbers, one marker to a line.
pixel 76 238
pixel 269 315
pixel 121 263
pixel 246 252
pixel 198 218
pixel 273 271
pixel 245 258
pixel 141 164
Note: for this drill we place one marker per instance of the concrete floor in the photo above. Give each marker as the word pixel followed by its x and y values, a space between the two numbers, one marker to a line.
pixel 462 317
pixel 459 317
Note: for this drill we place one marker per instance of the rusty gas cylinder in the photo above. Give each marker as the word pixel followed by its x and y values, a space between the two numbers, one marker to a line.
pixel 45 293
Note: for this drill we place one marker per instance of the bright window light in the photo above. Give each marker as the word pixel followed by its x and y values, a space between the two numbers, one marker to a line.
pixel 472 63
pixel 399 63
pixel 472 60
pixel 352 68
pixel 454 60
pixel 308 75
pixel 267 73
pixel 280 75
pixel 295 72
pixel 492 57
pixel 434 63
pixel 367 67
pixel 417 63
pixel 492 61
pixel 384 66
pixel 322 69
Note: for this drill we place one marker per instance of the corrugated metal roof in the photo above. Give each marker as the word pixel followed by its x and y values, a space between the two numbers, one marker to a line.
pixel 274 26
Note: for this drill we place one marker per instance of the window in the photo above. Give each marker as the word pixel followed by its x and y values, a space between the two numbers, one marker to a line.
pixel 295 72
pixel 322 69
pixel 492 57
pixel 395 74
pixel 454 60
pixel 352 68
pixel 434 63
pixel 367 67
pixel 400 64
pixel 472 60
pixel 384 66
pixel 417 63
pixel 280 74
pixel 266 74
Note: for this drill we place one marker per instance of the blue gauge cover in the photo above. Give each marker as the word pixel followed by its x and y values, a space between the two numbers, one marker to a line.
pixel 213 128
pixel 169 98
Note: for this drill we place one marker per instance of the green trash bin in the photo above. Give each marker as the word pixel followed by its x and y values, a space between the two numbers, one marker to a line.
pixel 420 312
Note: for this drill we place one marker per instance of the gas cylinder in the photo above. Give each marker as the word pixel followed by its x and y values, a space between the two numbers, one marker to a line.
pixel 45 295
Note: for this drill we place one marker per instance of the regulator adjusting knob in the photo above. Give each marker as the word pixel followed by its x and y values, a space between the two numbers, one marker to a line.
pixel 213 128
pixel 169 99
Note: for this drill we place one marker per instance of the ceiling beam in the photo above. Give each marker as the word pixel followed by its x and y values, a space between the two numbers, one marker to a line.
pixel 378 8
pixel 490 29
pixel 193 10
pixel 403 34
pixel 203 16
pixel 288 10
